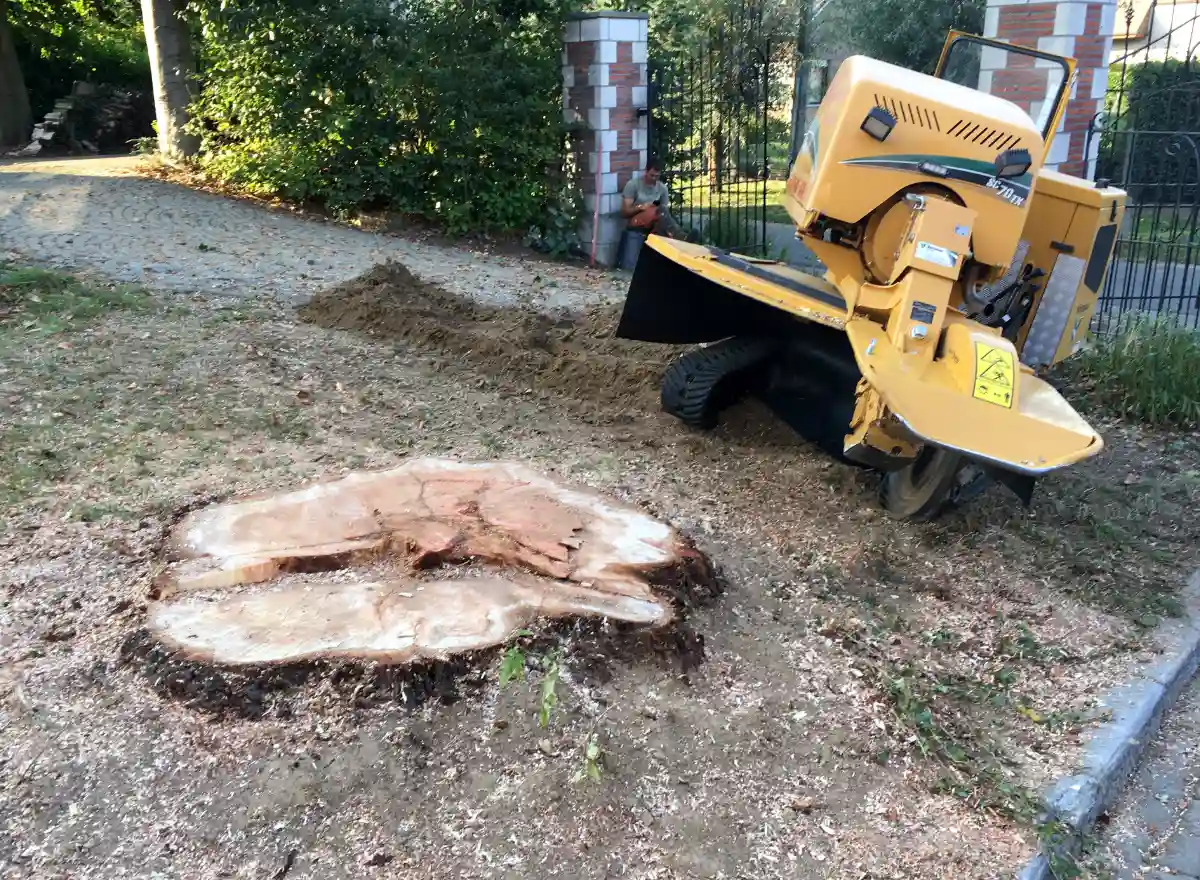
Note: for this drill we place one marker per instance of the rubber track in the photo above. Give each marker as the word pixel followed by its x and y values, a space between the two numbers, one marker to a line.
pixel 692 388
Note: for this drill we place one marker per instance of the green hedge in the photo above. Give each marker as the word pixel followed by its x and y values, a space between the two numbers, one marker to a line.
pixel 61 41
pixel 1148 371
pixel 1145 146
pixel 438 108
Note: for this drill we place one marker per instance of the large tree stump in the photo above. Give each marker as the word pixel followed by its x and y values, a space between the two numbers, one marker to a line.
pixel 471 554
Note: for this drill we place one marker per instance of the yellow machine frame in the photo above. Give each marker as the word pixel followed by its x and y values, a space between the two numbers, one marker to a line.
pixel 931 374
pixel 1060 104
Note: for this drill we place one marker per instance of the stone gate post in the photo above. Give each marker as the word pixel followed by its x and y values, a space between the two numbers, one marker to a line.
pixel 1081 29
pixel 605 94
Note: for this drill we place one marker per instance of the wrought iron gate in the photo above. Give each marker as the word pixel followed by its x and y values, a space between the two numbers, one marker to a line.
pixel 1149 145
pixel 712 127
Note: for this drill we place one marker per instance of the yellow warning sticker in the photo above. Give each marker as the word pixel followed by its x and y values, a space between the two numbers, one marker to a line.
pixel 995 374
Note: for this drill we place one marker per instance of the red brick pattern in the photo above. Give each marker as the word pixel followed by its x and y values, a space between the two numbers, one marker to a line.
pixel 1023 86
pixel 623 117
pixel 1081 110
pixel 579 56
pixel 625 160
pixel 1024 25
pixel 626 73
pixel 1089 52
pixel 617 144
pixel 581 97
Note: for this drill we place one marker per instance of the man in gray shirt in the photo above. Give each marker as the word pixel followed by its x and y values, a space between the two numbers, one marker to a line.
pixel 642 194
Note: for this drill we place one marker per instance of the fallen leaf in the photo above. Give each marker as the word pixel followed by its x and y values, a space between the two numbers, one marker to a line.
pixel 803 805
pixel 1032 714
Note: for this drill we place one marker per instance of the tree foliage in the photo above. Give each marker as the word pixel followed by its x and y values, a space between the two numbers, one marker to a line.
pixel 676 26
pixel 909 33
pixel 446 109
pixel 1146 146
pixel 61 41
pixel 714 66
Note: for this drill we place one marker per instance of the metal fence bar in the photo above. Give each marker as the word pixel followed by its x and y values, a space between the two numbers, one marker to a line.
pixel 710 124
pixel 1155 84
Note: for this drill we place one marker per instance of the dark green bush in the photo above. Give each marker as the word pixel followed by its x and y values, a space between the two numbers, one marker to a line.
pixel 438 108
pixel 1148 370
pixel 61 41
pixel 1142 149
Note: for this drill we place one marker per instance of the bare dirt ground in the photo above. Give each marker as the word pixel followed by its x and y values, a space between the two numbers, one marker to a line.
pixel 865 699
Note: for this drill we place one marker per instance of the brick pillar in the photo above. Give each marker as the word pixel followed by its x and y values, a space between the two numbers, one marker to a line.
pixel 604 87
pixel 1080 29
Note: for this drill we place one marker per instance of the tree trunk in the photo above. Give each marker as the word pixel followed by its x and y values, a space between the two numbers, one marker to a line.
pixel 16 123
pixel 717 153
pixel 173 72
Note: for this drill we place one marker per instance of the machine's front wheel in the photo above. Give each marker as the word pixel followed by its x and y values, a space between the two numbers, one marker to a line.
pixel 923 489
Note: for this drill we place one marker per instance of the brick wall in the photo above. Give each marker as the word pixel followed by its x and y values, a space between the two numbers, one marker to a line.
pixel 604 86
pixel 1081 29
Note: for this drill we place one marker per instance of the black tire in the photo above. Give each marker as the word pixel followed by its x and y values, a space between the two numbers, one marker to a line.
pixel 925 488
pixel 699 384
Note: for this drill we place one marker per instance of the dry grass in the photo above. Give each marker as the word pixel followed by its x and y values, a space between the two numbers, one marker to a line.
pixel 94 407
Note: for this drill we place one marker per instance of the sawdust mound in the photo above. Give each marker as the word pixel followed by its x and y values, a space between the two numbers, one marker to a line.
pixel 573 355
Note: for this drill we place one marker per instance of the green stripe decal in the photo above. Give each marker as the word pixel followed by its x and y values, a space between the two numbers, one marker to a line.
pixel 973 171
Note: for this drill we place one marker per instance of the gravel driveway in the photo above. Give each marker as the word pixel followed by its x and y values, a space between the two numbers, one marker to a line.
pixel 100 215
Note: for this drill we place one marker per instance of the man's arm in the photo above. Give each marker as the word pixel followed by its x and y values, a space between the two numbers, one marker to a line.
pixel 672 228
pixel 629 205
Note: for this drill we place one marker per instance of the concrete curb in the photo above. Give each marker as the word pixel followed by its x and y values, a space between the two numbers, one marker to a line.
pixel 1114 750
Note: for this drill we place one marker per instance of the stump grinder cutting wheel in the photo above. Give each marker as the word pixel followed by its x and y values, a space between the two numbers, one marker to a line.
pixel 957 267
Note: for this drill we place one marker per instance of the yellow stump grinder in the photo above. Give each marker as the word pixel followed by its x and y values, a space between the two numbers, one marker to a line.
pixel 957 267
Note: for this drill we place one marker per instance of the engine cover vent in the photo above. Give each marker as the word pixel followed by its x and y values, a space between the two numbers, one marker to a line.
pixel 993 138
pixel 906 111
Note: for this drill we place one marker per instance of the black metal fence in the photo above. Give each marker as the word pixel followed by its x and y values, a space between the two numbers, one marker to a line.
pixel 718 117
pixel 1149 145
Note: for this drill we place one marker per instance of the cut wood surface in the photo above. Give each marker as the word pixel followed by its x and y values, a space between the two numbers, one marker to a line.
pixel 270 579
